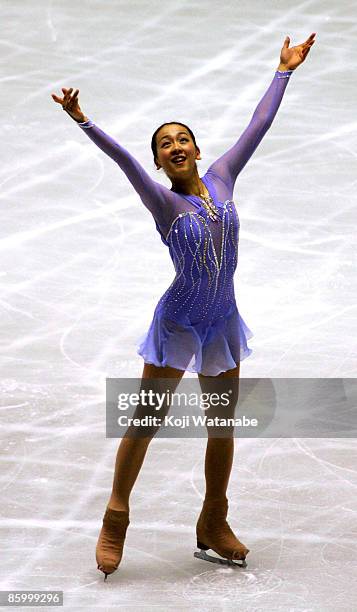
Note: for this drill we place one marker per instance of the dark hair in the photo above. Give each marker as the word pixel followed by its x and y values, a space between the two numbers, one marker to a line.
pixel 153 139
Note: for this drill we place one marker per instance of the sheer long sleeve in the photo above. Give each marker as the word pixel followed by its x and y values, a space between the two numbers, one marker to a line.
pixel 229 165
pixel 154 195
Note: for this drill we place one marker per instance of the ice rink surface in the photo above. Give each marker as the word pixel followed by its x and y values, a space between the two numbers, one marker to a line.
pixel 82 268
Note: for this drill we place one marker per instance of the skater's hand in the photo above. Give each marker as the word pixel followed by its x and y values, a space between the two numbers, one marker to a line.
pixel 70 104
pixel 291 58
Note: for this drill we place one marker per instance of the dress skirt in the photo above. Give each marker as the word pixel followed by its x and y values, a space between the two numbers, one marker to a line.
pixel 205 348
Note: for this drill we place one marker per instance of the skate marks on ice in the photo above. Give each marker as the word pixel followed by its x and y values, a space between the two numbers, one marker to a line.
pixel 226 584
pixel 261 589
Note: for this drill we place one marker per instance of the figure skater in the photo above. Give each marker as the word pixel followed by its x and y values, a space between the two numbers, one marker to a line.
pixel 196 324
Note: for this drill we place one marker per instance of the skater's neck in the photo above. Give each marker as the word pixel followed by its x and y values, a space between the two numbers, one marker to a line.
pixel 191 185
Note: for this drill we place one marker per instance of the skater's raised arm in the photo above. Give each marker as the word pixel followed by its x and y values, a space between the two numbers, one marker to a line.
pixel 153 194
pixel 229 165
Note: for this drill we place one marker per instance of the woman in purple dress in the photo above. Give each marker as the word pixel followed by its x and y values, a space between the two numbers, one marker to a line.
pixel 196 324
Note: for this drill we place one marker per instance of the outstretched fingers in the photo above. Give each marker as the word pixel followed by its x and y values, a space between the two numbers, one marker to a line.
pixel 306 46
pixel 69 99
pixel 67 95
pixel 57 99
pixel 305 50
pixel 309 41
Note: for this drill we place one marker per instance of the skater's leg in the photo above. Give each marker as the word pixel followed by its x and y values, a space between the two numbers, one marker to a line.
pixel 132 450
pixel 212 528
pixel 218 466
pixel 219 450
pixel 130 457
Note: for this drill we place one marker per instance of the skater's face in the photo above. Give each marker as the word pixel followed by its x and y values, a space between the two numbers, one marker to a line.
pixel 176 151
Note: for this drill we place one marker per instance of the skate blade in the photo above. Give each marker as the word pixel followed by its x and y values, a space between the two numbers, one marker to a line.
pixel 230 562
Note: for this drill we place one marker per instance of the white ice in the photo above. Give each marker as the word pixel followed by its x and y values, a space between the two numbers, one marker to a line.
pixel 82 268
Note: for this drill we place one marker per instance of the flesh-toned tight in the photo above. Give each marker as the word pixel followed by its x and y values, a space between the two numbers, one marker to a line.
pixel 132 450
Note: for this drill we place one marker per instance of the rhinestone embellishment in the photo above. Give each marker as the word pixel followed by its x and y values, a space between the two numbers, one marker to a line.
pixel 210 207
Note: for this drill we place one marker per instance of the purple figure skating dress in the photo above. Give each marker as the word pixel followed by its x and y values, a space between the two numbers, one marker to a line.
pixel 196 324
